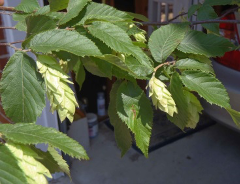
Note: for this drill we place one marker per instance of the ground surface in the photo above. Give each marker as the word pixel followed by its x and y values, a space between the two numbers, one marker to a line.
pixel 211 156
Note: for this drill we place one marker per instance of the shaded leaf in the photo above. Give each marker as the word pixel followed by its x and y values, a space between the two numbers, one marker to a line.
pixel 98 67
pixel 122 74
pixel 56 5
pixel 35 134
pixel 194 108
pixel 45 10
pixel 200 43
pixel 54 163
pixel 73 9
pixel 138 16
pixel 220 2
pixel 191 64
pixel 121 131
pixel 134 108
pixel 22 92
pixel 193 9
pixel 62 164
pixel 207 13
pixel 39 23
pixel 97 11
pixel 180 119
pixel 118 61
pixel 118 40
pixel 80 74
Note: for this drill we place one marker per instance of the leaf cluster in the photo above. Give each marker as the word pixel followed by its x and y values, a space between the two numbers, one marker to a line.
pixel 107 43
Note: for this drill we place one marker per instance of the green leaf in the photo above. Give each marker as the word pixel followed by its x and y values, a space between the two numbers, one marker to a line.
pixel 74 8
pixel 235 116
pixel 138 16
pixel 104 49
pixel 130 28
pixel 122 74
pixel 166 39
pixel 118 40
pixel 28 6
pixel 71 59
pixel 121 131
pixel 112 35
pixel 22 92
pixel 118 61
pixel 134 108
pixel 39 23
pixel 191 64
pixel 209 45
pixel 193 9
pixel 10 170
pixel 20 18
pixel 194 108
pixel 97 11
pixel 33 170
pixel 220 2
pixel 45 10
pixel 35 134
pixel 206 13
pixel 51 160
pixel 201 58
pixel 80 74
pixel 56 5
pixel 70 41
pixel 62 164
pixel 135 66
pixel 60 95
pixel 180 119
pixel 98 67
pixel 207 86
pixel 161 97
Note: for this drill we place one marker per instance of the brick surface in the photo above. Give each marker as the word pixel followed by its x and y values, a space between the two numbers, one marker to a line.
pixel 3 50
pixel 2 34
pixel 1 23
pixel 3 62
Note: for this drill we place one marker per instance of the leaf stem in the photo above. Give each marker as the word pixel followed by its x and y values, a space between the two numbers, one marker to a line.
pixel 163 64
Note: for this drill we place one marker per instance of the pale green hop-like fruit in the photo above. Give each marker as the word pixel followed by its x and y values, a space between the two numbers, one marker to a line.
pixel 161 97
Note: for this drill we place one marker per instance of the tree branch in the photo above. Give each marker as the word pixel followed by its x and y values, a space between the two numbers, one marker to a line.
pixel 180 15
pixel 228 12
pixel 5 13
pixel 192 22
pixel 11 9
pixel 7 28
pixel 11 44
